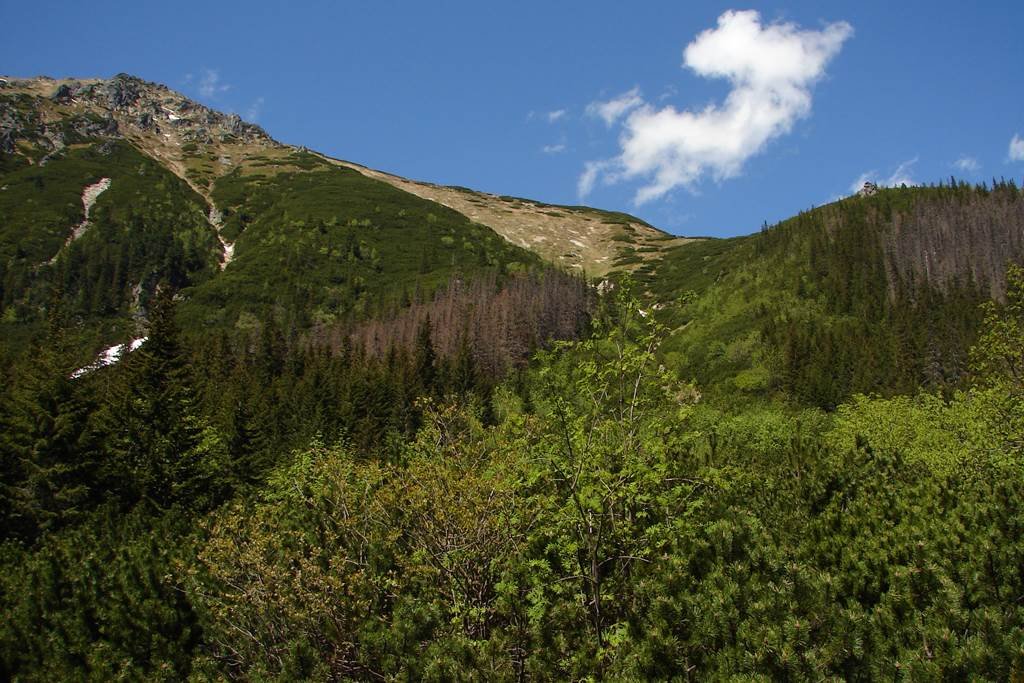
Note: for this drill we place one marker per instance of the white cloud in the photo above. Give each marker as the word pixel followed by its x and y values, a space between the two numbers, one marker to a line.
pixel 553 149
pixel 210 85
pixel 611 110
pixel 771 69
pixel 967 164
pixel 900 176
pixel 1017 148
pixel 587 179
pixel 252 114
pixel 555 115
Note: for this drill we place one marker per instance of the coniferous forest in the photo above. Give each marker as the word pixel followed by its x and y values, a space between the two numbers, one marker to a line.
pixel 379 442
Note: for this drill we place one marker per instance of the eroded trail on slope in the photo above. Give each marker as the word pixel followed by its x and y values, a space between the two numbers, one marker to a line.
pixel 215 219
pixel 89 196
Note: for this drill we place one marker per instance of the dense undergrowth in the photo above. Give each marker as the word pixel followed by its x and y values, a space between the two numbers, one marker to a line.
pixel 598 520
pixel 384 443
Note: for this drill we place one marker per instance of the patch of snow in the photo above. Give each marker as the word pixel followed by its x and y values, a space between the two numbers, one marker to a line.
pixel 109 356
pixel 578 243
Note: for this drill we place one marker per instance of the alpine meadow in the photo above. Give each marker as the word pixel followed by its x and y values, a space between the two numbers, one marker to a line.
pixel 273 415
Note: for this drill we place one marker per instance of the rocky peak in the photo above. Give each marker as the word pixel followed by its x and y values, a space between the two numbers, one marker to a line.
pixel 138 104
pixel 156 108
pixel 43 111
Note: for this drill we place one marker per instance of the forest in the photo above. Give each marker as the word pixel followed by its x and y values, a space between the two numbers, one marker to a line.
pixel 313 508
pixel 375 440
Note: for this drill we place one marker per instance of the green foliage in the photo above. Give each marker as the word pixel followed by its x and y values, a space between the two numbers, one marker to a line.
pixel 611 526
pixel 998 357
pixel 602 453
pixel 147 227
pixel 98 602
pixel 331 461
pixel 398 572
pixel 160 448
pixel 332 241
pixel 838 300
pixel 49 446
pixel 998 364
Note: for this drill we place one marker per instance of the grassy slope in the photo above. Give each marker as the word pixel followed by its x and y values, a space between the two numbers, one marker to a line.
pixel 579 238
pixel 326 242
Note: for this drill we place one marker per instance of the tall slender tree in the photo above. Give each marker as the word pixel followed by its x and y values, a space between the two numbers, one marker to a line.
pixel 160 446
pixel 48 445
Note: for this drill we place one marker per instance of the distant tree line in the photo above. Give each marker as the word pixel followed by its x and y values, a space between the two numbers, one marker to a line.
pixel 901 275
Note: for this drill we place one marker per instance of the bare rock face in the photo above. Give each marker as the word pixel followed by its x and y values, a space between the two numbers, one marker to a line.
pixel 6 142
pixel 91 127
pixel 64 93
pixel 154 108
pixel 869 189
pixel 123 91
pixel 10 126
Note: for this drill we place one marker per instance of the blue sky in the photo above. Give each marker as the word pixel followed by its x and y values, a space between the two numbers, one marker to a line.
pixel 765 115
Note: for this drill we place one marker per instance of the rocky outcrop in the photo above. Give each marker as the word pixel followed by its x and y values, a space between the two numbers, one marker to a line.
pixel 123 91
pixel 65 93
pixel 120 106
pixel 8 131
pixel 94 127
pixel 869 190
pixel 14 123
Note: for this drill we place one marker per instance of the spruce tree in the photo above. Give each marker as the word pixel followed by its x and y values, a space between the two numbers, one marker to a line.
pixel 156 437
pixel 48 446
pixel 424 358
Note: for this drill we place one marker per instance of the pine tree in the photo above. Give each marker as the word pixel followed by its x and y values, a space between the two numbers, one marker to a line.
pixel 424 358
pixel 49 449
pixel 161 448
pixel 464 376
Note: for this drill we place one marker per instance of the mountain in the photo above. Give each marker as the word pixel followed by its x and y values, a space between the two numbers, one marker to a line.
pixel 109 187
pixel 593 241
pixel 870 294
pixel 350 426
pixel 177 191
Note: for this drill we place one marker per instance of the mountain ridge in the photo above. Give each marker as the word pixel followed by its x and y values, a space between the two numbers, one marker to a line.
pixel 201 145
pixel 267 229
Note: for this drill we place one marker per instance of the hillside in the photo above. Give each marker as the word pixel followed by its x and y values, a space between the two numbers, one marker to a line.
pixel 246 224
pixel 369 428
pixel 870 294
pixel 111 186
pixel 577 237
pixel 239 216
